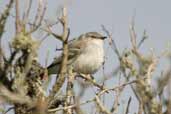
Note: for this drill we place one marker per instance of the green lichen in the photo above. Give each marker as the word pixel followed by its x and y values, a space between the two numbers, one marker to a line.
pixel 25 42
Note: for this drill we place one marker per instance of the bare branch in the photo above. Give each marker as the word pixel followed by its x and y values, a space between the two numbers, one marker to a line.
pixel 9 109
pixel 132 35
pixel 100 106
pixel 39 16
pixel 128 104
pixel 143 39
pixel 17 19
pixel 89 79
pixel 117 87
pixel 71 106
pixel 111 42
pixel 26 14
pixel 63 68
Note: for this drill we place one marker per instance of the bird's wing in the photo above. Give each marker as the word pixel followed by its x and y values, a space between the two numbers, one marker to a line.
pixel 74 48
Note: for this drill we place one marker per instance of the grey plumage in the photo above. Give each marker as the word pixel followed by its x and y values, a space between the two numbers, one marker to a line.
pixel 86 54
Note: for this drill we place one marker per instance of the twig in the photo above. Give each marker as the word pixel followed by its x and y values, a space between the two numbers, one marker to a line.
pixel 26 14
pixel 39 11
pixel 101 106
pixel 78 109
pixel 63 68
pixel 39 16
pixel 132 35
pixel 114 108
pixel 128 104
pixel 89 79
pixel 69 91
pixel 111 42
pixel 17 19
pixel 3 18
pixel 133 41
pixel 117 87
pixel 8 110
pixel 143 39
pixel 71 106
pixel 49 31
pixel 140 109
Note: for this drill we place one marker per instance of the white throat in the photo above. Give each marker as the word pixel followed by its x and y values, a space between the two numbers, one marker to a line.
pixel 91 58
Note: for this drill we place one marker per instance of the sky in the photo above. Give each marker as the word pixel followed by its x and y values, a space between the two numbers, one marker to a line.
pixel 88 15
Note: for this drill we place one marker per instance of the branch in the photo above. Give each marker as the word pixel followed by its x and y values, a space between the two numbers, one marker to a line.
pixel 26 14
pixel 15 98
pixel 9 109
pixel 117 87
pixel 71 106
pixel 100 106
pixel 132 35
pixel 39 16
pixel 89 79
pixel 111 42
pixel 63 68
pixel 128 104
pixel 3 18
pixel 17 19
pixel 69 91
pixel 143 39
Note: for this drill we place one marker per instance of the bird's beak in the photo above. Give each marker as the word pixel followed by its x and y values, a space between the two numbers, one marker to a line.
pixel 104 37
pixel 100 37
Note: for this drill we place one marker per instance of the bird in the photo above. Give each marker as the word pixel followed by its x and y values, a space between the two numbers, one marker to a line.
pixel 85 54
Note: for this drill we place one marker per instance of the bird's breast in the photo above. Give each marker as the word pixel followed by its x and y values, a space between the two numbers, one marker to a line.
pixel 89 60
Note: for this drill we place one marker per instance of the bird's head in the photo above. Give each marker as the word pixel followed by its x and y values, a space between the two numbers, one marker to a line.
pixel 94 35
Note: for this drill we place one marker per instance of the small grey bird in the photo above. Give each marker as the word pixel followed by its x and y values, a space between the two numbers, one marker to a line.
pixel 86 54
